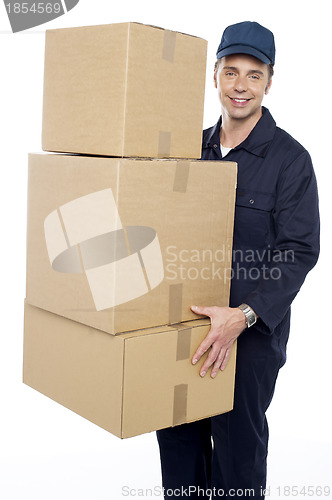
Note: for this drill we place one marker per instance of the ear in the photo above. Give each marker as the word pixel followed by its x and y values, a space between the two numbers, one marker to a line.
pixel 268 86
pixel 215 78
pixel 215 73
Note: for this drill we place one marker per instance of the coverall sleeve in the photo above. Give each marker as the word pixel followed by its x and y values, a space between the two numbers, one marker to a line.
pixel 296 248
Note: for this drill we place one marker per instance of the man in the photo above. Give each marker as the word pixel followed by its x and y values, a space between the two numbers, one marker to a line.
pixel 276 243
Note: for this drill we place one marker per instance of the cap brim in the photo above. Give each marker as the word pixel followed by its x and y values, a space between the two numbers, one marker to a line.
pixel 243 49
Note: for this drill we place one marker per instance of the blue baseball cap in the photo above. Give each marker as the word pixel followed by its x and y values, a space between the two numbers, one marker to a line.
pixel 248 38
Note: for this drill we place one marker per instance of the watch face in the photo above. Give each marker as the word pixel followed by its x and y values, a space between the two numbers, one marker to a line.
pixel 251 322
pixel 251 317
pixel 249 314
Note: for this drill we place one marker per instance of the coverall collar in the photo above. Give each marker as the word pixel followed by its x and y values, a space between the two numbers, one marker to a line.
pixel 258 140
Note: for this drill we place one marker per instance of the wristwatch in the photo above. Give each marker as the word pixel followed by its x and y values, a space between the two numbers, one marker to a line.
pixel 251 316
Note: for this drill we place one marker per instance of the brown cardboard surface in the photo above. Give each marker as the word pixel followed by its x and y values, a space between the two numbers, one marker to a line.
pixel 117 245
pixel 123 90
pixel 127 384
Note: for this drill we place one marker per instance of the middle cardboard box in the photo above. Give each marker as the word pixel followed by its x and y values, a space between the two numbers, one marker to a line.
pixel 123 244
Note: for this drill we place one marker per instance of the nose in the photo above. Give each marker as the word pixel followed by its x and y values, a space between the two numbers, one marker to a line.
pixel 241 84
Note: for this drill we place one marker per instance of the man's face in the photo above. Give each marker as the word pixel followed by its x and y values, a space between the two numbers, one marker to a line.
pixel 242 81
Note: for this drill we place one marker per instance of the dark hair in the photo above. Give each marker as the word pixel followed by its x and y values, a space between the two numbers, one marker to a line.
pixel 270 68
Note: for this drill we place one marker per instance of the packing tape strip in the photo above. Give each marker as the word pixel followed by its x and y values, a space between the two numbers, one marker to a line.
pixel 181 176
pixel 180 396
pixel 183 344
pixel 180 404
pixel 169 45
pixel 121 264
pixel 175 291
pixel 164 144
pixel 175 303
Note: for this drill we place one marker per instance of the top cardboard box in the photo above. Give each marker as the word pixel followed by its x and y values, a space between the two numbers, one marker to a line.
pixel 124 90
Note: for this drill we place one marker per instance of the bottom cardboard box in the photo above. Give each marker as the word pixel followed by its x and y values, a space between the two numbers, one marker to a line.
pixel 128 384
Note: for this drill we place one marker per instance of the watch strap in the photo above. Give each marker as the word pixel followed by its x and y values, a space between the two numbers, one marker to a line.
pixel 251 316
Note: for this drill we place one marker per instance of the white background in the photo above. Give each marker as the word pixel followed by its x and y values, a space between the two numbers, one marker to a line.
pixel 48 452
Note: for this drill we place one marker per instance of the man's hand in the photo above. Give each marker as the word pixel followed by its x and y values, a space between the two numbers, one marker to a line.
pixel 226 325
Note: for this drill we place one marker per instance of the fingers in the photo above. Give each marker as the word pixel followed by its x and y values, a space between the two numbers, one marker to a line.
pixel 217 363
pixel 208 342
pixel 212 359
pixel 218 341
pixel 218 357
pixel 215 352
pixel 205 311
pixel 221 361
pixel 226 358
pixel 203 347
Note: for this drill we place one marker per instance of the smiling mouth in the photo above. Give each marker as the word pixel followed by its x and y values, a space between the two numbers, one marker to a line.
pixel 239 100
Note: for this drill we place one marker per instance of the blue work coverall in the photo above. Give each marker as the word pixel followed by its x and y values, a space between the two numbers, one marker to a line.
pixel 276 243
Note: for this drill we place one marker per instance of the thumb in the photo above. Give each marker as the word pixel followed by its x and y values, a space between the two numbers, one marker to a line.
pixel 205 311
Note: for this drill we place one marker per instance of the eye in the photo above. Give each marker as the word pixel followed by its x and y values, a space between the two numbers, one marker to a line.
pixel 254 77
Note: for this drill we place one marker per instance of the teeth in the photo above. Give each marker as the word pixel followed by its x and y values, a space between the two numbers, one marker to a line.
pixel 240 100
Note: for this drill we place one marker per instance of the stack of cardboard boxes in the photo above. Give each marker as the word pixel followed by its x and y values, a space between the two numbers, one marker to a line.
pixel 126 229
